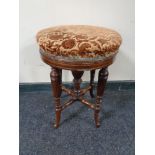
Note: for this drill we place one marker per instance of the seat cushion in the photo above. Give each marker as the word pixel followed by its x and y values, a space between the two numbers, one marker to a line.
pixel 79 41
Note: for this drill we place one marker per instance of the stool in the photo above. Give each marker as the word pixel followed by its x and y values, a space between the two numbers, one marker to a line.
pixel 78 48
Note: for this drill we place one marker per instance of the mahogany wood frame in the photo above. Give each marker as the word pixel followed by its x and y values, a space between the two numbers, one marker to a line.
pixel 77 69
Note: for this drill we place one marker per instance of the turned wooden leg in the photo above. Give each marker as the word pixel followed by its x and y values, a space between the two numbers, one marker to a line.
pixel 56 75
pixel 102 79
pixel 92 74
pixel 77 80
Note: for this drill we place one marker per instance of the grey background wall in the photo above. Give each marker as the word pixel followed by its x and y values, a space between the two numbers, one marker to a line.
pixel 38 14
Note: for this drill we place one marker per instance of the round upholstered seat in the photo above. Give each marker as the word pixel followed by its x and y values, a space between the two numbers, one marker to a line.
pixel 78 48
pixel 78 43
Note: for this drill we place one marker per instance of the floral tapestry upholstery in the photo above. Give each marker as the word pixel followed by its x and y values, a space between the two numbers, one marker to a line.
pixel 79 41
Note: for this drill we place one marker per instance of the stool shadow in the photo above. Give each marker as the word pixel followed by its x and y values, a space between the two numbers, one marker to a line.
pixel 106 115
pixel 74 115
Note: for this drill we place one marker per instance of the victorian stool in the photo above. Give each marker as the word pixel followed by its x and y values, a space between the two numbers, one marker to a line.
pixel 78 48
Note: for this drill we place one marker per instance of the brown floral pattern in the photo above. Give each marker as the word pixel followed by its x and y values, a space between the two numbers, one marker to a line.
pixel 68 44
pixel 79 40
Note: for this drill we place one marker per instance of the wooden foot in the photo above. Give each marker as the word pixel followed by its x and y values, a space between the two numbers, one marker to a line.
pixel 92 74
pixel 102 79
pixel 56 75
